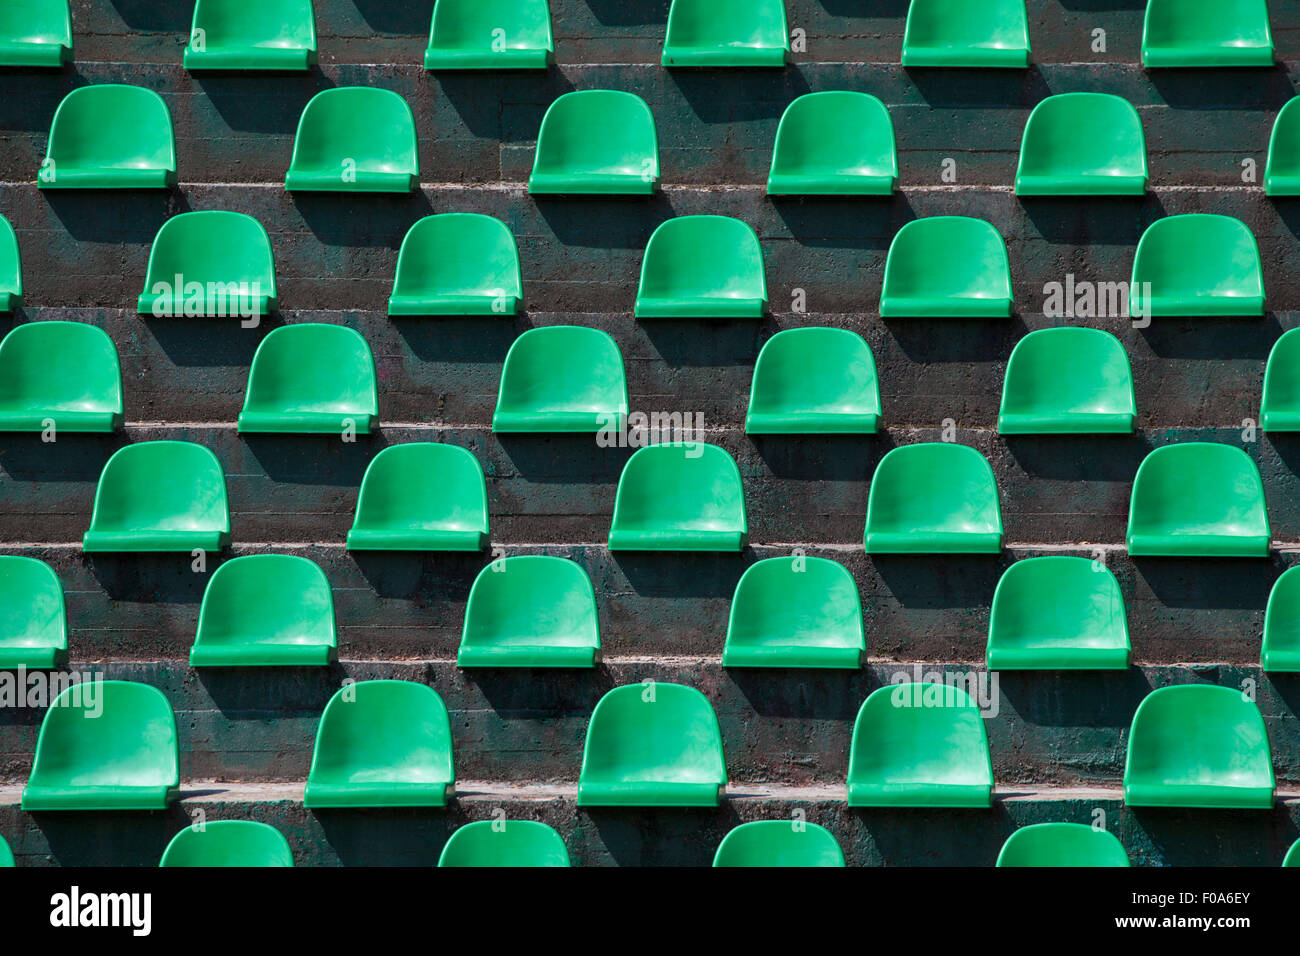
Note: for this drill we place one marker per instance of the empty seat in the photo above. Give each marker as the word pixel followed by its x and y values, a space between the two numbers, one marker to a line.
pixel 355 139
pixel 1282 171
pixel 505 843
pixel 209 264
pixel 266 610
pixel 1196 745
pixel 110 136
pixel 705 33
pixel 1198 265
pixel 786 843
pixel 652 745
pixel 252 35
pixel 1068 381
pixel 490 35
pixel 1280 408
pixel 1293 855
pixel 679 496
pixel 421 496
pixel 35 33
pixel 1198 499
pixel 160 496
pixel 1207 33
pixel 702 267
pixel 65 373
pixel 11 268
pixel 6 855
pixel 1062 845
pixel 933 497
pixel 814 381
pixel 228 843
pixel 1280 650
pixel 457 263
pixel 836 143
pixel 311 378
pixel 382 743
pixel 920 745
pixel 596 142
pixel 105 745
pixel 562 378
pixel 1083 144
pixel 33 622
pixel 947 267
pixel 974 33
pixel 1058 613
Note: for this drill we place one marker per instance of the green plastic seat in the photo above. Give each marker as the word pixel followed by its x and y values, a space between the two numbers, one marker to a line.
pixel 252 35
pixel 920 745
pixel 1280 408
pixel 61 372
pixel 11 268
pixel 679 496
pixel 1198 499
pixel 1207 33
pixel 35 33
pixel 836 143
pixel 711 33
pixel 1293 855
pixel 457 263
pixel 1282 171
pixel 6 855
pixel 1064 845
pixel 702 267
pixel 814 381
pixel 421 496
pixel 933 498
pixel 779 843
pixel 561 378
pixel 971 33
pixel 228 843
pixel 1058 613
pixel 1083 144
pixel 110 745
pixel 209 264
pixel 160 496
pixel 795 612
pixel 947 267
pixel 1196 745
pixel 507 843
pixel 110 136
pixel 1068 381
pixel 266 610
pixel 490 35
pixel 1280 651
pixel 596 142
pixel 33 622
pixel 311 378
pixel 1198 265
pixel 355 139
pixel 652 746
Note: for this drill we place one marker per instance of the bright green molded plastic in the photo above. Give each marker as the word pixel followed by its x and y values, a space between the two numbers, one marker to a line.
pixel 795 612
pixel 11 268
pixel 974 33
pixel 228 843
pixel 1068 381
pixel 64 372
pixel 35 33
pixel 421 496
pixel 679 496
pixel 1293 855
pixel 706 33
pixel 1196 745
pixel 1062 844
pixel 457 263
pixel 814 381
pixel 1282 172
pixel 266 610
pixel 160 496
pixel 779 843
pixel 1198 499
pixel 920 745
pixel 6 855
pixel 933 498
pixel 600 142
pixel 511 843
pixel 702 267
pixel 311 378
pixel 355 139
pixel 223 262
pixel 836 143
pixel 947 267
pixel 490 35
pixel 1280 407
pixel 33 622
pixel 562 378
pixel 1083 144
pixel 1280 651
pixel 1207 33
pixel 1058 613
pixel 1198 265
pixel 252 35
pixel 108 745
pixel 653 745
pixel 110 136
pixel 382 743
pixel 532 610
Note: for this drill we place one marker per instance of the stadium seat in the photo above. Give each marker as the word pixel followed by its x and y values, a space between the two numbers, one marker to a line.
pixel 11 268
pixel 836 143
pixel 1198 499
pixel 1282 171
pixel 33 622
pixel 110 136
pixel 983 34
pixel 652 745
pixel 1068 380
pixel 785 843
pixel 209 264
pixel 311 378
pixel 6 855
pixel 1058 613
pixel 596 142
pixel 947 267
pixel 795 612
pixel 355 139
pixel 814 381
pixel 1280 650
pixel 421 496
pixel 531 610
pixel 1293 855
pixel 266 610
pixel 65 373
pixel 505 843
pixel 1197 265
pixel 1196 745
pixel 35 33
pixel 1207 33
pixel 1063 845
pixel 1083 144
pixel 679 496
pixel 160 496
pixel 1280 407
pixel 125 758
pixel 920 745
pixel 382 743
pixel 228 843
pixel 726 33
pixel 457 263
pixel 702 267
pixel 562 378
pixel 252 35
pixel 490 35
pixel 933 498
